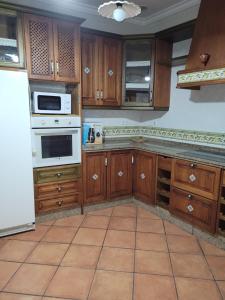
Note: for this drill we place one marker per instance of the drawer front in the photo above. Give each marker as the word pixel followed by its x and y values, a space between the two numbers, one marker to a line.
pixel 197 178
pixel 223 179
pixel 44 175
pixel 58 203
pixel 195 209
pixel 48 190
pixel 165 163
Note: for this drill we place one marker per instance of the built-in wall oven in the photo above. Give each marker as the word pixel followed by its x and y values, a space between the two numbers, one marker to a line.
pixel 56 141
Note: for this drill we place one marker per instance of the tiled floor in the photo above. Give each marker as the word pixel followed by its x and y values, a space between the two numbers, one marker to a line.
pixel 120 253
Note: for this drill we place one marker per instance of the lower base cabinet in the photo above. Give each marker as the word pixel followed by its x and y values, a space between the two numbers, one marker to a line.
pixel 144 176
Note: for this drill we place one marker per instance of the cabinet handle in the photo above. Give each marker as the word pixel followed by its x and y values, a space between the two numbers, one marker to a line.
pixel 189 196
pixel 192 178
pixel 106 161
pixel 190 208
pixel 59 189
pixel 120 173
pixel 95 177
pixel 52 67
pixel 57 68
pixel 97 94
pixel 102 95
pixel 142 176
pixel 60 202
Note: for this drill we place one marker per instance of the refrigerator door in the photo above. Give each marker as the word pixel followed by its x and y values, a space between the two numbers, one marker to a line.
pixel 16 174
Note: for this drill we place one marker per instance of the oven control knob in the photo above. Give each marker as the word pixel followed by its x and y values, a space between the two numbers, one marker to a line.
pixel 98 134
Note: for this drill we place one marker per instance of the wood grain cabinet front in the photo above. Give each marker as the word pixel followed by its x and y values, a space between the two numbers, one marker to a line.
pixel 52 49
pixel 195 209
pixel 197 178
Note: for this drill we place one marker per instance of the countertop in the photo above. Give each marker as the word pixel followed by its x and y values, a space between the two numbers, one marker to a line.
pixel 196 153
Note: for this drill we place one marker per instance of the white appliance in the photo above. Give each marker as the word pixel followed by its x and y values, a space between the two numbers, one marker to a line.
pixel 56 141
pixel 16 176
pixel 51 103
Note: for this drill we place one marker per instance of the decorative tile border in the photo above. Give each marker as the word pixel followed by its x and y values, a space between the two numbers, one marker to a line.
pixel 198 137
pixel 207 75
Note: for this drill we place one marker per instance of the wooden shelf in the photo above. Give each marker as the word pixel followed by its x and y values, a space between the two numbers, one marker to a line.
pixel 162 204
pixel 163 193
pixel 164 180
pixel 222 217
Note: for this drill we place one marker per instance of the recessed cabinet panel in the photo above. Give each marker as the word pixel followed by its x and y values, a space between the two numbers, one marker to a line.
pixel 11 41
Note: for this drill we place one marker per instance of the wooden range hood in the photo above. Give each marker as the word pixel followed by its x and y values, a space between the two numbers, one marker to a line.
pixel 206 60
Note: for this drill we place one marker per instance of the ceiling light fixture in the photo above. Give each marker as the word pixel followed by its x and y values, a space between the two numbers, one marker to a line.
pixel 119 10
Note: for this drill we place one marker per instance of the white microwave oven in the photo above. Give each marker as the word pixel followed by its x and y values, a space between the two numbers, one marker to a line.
pixel 51 103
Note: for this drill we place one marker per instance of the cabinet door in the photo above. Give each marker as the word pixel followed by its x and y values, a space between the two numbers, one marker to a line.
pixel 89 47
pixel 110 70
pixel 67 51
pixel 94 177
pixel 119 174
pixel 144 176
pixel 39 47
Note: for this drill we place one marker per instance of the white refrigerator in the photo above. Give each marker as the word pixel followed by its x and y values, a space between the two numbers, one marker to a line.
pixel 16 174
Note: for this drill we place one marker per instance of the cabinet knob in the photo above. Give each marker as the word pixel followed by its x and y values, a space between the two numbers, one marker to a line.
pixel 204 58
pixel 189 196
pixel 142 176
pixel 120 173
pixel 87 70
pixel 60 202
pixel 190 208
pixel 40 205
pixel 110 72
pixel 59 174
pixel 192 165
pixel 59 189
pixel 192 178
pixel 95 177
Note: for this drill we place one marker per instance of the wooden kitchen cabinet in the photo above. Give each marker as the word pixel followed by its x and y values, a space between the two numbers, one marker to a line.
pixel 119 174
pixel 144 176
pixel 101 70
pixel 52 49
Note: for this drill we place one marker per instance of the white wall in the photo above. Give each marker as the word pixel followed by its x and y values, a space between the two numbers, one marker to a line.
pixel 202 110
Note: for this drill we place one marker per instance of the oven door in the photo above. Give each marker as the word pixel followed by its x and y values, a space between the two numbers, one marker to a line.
pixel 53 147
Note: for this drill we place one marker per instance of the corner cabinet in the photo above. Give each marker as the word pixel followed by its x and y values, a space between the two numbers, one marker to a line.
pixel 52 48
pixel 147 73
pixel 101 70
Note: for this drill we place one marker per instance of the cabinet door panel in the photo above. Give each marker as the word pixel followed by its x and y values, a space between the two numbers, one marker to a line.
pixel 39 47
pixel 120 174
pixel 144 176
pixel 89 48
pixel 110 62
pixel 67 51
pixel 94 177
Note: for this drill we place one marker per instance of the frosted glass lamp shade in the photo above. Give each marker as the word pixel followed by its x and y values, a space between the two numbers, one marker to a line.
pixel 119 14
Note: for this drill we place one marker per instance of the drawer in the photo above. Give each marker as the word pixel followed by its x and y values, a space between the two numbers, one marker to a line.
pixel 48 190
pixel 195 209
pixel 58 203
pixel 164 163
pixel 44 175
pixel 197 178
pixel 223 178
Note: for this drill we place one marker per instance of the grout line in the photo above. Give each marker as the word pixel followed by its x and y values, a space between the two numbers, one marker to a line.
pixel 135 246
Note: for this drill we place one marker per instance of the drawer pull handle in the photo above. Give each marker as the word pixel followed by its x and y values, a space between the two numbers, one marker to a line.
pixel 95 177
pixel 60 203
pixel 193 165
pixel 59 174
pixel 59 189
pixel 192 178
pixel 120 173
pixel 189 197
pixel 142 176
pixel 190 208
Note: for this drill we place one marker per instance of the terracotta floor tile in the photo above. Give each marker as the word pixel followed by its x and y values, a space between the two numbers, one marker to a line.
pixel 3 241
pixel 143 213
pixel 7 269
pixel 125 211
pixel 152 262
pixel 102 212
pixel 10 296
pixel 70 283
pixel 183 244
pixel 221 285
pixel 48 254
pixel 52 298
pixel 15 250
pixel 58 234
pixel 197 289
pixel 82 256
pixel 89 236
pixel 151 241
pixel 116 259
pixel 149 225
pixel 47 223
pixel 210 249
pixel 120 239
pixel 154 287
pixel 174 229
pixel 190 265
pixel 31 279
pixel 100 222
pixel 217 266
pixel 33 235
pixel 108 285
pixel 73 221
pixel 122 223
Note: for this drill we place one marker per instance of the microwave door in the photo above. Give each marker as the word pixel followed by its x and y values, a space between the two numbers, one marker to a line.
pixel 49 104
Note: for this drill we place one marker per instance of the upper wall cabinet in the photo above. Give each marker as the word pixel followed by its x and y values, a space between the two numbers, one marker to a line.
pixel 147 71
pixel 52 48
pixel 11 39
pixel 101 70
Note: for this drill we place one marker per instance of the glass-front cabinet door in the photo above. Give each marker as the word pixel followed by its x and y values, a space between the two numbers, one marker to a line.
pixel 11 42
pixel 138 77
